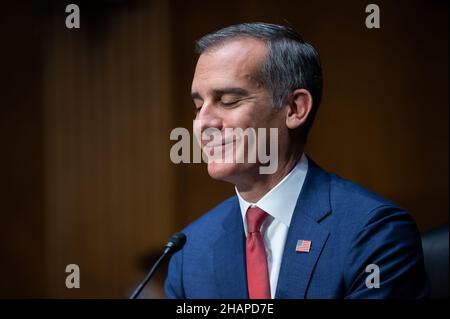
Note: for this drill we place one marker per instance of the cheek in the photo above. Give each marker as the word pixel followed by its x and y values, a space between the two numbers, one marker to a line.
pixel 271 119
pixel 256 115
pixel 239 117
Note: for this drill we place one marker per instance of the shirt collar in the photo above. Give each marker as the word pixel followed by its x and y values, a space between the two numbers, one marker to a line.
pixel 280 201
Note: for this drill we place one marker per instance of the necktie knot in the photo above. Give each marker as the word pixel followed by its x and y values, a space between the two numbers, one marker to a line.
pixel 255 217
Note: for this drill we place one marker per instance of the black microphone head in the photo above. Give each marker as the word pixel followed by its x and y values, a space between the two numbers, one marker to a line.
pixel 176 242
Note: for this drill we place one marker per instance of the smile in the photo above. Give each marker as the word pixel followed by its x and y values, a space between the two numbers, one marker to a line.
pixel 220 144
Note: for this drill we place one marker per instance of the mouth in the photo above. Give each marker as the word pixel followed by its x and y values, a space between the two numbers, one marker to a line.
pixel 221 143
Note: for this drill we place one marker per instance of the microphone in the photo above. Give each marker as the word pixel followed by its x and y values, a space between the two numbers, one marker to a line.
pixel 175 243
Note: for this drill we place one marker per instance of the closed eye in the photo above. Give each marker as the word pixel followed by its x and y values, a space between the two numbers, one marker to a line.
pixel 230 103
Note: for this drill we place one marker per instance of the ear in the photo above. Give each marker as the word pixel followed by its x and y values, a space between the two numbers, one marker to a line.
pixel 299 107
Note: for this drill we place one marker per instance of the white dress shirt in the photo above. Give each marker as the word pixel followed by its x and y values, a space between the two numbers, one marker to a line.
pixel 279 203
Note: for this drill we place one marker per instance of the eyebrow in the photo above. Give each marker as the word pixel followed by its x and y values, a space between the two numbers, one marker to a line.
pixel 219 92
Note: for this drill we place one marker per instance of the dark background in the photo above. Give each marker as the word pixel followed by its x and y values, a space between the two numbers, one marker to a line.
pixel 85 118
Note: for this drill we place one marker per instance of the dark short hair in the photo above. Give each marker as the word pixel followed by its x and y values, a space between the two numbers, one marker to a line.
pixel 290 64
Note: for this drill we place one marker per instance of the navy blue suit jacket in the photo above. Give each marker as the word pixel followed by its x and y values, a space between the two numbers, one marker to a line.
pixel 349 228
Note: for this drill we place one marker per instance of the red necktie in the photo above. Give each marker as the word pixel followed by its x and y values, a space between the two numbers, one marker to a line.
pixel 257 270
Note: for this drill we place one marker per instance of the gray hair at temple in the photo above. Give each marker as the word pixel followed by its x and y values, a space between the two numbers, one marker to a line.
pixel 290 64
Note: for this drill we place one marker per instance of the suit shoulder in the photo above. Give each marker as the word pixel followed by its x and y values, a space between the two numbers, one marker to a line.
pixel 214 216
pixel 350 196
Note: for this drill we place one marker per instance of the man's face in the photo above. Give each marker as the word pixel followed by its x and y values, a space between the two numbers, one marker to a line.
pixel 227 94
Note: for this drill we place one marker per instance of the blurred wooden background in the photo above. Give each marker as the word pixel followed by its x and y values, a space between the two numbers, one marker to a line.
pixel 86 114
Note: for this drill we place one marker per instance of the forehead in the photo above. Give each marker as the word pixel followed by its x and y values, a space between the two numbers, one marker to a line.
pixel 236 60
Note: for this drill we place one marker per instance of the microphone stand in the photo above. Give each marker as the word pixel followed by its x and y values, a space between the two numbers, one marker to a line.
pixel 141 286
pixel 173 245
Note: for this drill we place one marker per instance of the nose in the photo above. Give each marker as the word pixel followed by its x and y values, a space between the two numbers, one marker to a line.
pixel 208 117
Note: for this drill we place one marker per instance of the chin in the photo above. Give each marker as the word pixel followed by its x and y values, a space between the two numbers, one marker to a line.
pixel 223 171
pixel 236 174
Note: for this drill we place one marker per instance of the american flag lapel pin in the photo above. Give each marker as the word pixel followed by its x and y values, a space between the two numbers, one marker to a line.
pixel 303 246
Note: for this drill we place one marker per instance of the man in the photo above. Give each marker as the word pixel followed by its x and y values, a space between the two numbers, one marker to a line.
pixel 299 232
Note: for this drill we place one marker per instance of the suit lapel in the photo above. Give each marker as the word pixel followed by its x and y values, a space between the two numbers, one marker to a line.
pixel 313 205
pixel 229 256
pixel 296 269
